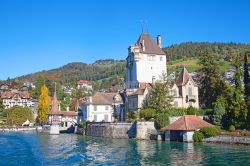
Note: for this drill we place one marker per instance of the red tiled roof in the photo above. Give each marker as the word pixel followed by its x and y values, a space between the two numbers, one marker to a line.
pixel 80 82
pixel 69 113
pixel 183 77
pixel 150 46
pixel 187 122
pixel 55 106
pixel 19 94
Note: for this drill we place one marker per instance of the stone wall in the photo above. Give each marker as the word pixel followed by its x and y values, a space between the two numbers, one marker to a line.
pixel 229 139
pixel 139 130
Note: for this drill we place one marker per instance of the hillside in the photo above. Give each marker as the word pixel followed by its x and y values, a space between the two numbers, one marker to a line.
pixel 109 72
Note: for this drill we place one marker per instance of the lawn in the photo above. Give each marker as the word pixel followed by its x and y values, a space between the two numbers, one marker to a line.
pixel 193 65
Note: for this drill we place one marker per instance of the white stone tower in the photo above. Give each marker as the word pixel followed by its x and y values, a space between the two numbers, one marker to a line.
pixel 146 62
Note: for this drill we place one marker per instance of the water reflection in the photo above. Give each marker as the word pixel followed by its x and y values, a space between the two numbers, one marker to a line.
pixel 44 149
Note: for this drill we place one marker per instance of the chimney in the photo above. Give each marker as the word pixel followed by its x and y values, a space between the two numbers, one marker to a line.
pixel 159 41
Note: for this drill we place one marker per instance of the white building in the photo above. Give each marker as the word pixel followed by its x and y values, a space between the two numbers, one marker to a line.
pixel 66 119
pixel 84 84
pixel 17 98
pixel 185 91
pixel 100 107
pixel 146 62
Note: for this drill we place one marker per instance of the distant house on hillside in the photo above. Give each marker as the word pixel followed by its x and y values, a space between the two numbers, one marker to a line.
pixel 17 98
pixel 84 84
pixel 101 107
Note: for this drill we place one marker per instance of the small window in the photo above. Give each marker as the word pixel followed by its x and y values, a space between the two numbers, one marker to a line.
pixel 106 118
pixel 95 118
pixel 190 91
pixel 95 107
pixel 106 107
pixel 161 58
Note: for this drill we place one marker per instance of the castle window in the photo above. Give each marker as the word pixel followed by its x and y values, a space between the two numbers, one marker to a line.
pixel 190 91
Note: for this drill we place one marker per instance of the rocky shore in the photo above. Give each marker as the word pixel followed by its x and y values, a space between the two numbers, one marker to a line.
pixel 228 139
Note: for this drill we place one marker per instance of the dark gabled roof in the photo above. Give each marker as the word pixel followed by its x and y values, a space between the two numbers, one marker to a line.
pixel 183 78
pixel 187 123
pixel 150 46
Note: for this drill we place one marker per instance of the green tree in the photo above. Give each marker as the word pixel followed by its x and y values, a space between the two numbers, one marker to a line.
pixel 18 115
pixel 238 108
pixel 147 113
pixel 211 82
pixel 39 82
pixel 247 86
pixel 43 105
pixel 158 98
pixel 219 111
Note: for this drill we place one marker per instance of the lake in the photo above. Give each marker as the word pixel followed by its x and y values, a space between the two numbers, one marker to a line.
pixel 32 148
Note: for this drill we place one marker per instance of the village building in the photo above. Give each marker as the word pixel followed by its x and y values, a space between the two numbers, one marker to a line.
pixel 185 91
pixel 183 129
pixel 146 64
pixel 84 84
pixel 66 119
pixel 102 107
pixel 17 98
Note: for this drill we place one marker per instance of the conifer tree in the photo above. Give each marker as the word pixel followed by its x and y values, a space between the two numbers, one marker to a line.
pixel 211 82
pixel 43 105
pixel 247 86
pixel 238 108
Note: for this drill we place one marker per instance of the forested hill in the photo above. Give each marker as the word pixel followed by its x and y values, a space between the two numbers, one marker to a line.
pixel 109 72
pixel 193 50
pixel 70 73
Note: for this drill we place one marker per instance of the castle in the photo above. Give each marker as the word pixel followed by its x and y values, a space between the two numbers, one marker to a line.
pixel 147 63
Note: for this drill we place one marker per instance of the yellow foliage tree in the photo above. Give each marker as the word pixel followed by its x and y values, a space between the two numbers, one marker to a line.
pixel 43 105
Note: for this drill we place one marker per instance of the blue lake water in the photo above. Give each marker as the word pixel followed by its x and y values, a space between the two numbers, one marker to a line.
pixel 33 148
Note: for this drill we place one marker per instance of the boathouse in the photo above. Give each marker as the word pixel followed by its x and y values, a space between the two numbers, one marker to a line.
pixel 183 129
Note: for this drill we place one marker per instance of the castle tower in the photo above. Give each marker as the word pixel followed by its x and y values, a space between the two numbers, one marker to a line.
pixel 146 62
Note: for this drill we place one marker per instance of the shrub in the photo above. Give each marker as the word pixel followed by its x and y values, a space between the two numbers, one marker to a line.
pixel 162 119
pixel 191 111
pixel 147 114
pixel 83 125
pixel 210 131
pixel 231 128
pixel 132 116
pixel 198 136
pixel 177 111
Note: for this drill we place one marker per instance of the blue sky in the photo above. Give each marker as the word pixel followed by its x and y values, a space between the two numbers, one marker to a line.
pixel 38 35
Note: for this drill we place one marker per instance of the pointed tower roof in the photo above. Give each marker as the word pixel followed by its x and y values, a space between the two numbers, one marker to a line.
pixel 55 105
pixel 150 45
pixel 183 77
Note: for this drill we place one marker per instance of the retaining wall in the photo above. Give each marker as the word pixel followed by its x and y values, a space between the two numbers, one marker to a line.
pixel 138 130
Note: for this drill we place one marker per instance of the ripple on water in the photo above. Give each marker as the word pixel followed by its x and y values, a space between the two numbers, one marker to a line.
pixel 42 149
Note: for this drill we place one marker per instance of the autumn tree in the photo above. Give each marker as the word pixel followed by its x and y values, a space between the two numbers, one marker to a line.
pixel 43 105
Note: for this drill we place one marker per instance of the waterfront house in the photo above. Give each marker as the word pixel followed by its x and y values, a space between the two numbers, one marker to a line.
pixel 66 119
pixel 183 129
pixel 101 107
pixel 146 64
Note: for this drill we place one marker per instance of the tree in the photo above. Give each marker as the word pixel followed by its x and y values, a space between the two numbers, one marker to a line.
pixel 39 82
pixel 43 105
pixel 219 111
pixel 18 115
pixel 237 108
pixel 147 113
pixel 211 82
pixel 158 98
pixel 160 101
pixel 247 86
